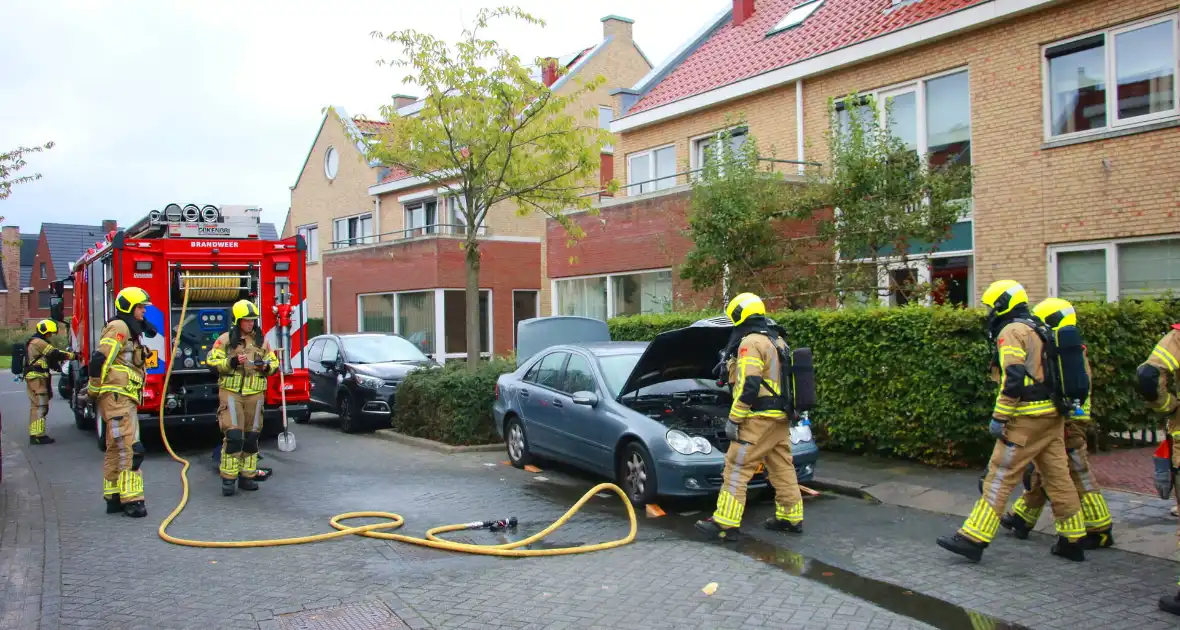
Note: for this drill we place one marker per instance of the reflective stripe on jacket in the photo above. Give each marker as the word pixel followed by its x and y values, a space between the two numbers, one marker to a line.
pixel 1022 377
pixel 243 379
pixel 755 373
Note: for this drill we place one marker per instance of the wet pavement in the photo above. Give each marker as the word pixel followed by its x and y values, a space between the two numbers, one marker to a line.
pixel 65 563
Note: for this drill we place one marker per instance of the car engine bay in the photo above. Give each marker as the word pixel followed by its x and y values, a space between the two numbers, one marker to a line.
pixel 697 412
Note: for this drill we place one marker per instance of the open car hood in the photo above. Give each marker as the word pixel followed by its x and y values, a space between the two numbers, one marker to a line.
pixel 690 352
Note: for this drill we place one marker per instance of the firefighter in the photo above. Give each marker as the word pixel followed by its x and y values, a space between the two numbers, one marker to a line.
pixel 40 358
pixel 244 359
pixel 1027 426
pixel 116 373
pixel 1157 384
pixel 1056 313
pixel 758 426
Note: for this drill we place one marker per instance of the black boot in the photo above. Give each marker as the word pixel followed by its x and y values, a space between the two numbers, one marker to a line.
pixel 1098 540
pixel 1170 603
pixel 713 531
pixel 1070 550
pixel 41 439
pixel 779 525
pixel 228 487
pixel 1017 525
pixel 963 546
pixel 113 504
pixel 135 509
pixel 246 483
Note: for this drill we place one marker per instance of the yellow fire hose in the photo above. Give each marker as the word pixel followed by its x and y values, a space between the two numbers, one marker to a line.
pixel 394 521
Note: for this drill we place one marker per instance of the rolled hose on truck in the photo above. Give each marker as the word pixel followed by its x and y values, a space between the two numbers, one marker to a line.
pixel 394 520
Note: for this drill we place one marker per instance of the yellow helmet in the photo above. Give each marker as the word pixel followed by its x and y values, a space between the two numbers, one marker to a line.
pixel 129 298
pixel 1004 295
pixel 244 309
pixel 47 327
pixel 743 306
pixel 1056 312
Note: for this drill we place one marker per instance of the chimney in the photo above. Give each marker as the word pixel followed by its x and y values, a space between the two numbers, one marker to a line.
pixel 548 71
pixel 10 259
pixel 617 26
pixel 401 100
pixel 742 10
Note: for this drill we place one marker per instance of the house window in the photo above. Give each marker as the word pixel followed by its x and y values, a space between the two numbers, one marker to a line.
pixel 455 316
pixel 703 147
pixel 795 16
pixel 651 170
pixel 603 297
pixel 331 162
pixel 415 319
pixel 311 237
pixel 605 114
pixel 1115 270
pixel 351 231
pixel 44 273
pixel 422 218
pixel 1116 78
pixel 376 313
pixel 43 299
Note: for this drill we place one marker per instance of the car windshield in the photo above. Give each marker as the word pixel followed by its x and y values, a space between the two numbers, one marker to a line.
pixel 616 368
pixel 381 349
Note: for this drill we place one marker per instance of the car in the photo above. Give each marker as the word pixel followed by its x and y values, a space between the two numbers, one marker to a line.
pixel 356 376
pixel 651 416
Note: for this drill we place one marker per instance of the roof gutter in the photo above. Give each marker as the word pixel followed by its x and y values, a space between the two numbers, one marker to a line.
pixel 965 19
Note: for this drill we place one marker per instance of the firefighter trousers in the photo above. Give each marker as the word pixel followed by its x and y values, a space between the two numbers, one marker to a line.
pixel 120 467
pixel 240 419
pixel 1036 439
pixel 760 439
pixel 1094 509
pixel 38 391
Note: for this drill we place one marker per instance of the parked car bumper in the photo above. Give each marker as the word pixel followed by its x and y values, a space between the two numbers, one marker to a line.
pixel 375 403
pixel 678 478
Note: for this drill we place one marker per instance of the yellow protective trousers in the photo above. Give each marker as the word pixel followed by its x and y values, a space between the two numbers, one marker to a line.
pixel 1094 509
pixel 38 392
pixel 760 438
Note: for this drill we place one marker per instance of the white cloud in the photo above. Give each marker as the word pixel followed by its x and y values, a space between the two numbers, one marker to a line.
pixel 217 101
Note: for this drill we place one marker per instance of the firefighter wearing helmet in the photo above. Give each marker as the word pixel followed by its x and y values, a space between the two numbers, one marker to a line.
pixel 758 427
pixel 243 359
pixel 1057 313
pixel 116 380
pixel 40 358
pixel 1027 426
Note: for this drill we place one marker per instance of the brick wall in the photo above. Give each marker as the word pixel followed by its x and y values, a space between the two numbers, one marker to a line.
pixel 433 263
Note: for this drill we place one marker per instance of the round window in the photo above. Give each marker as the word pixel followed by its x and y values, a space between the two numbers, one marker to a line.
pixel 331 162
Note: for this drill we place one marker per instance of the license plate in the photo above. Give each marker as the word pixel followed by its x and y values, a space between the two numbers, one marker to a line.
pixel 153 360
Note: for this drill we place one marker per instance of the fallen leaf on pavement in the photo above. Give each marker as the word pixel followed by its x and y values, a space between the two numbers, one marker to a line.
pixel 710 588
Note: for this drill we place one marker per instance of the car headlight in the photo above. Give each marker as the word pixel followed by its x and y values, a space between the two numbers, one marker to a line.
pixel 685 445
pixel 368 381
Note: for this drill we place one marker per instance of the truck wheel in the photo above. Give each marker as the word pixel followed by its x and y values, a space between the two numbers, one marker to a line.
pixel 81 421
pixel 300 418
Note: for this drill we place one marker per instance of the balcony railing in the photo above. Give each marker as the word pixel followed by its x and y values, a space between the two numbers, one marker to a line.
pixel 435 230
pixel 599 194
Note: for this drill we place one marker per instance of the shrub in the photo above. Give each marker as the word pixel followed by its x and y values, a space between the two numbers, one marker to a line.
pixel 315 327
pixel 9 336
pixel 450 404
pixel 912 382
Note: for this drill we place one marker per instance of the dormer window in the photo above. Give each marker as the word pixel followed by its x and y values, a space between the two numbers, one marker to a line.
pixel 795 16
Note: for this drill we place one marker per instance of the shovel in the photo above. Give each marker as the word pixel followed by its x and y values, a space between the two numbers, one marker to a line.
pixel 286 438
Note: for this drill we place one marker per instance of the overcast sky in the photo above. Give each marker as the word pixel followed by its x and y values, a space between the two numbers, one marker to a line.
pixel 218 101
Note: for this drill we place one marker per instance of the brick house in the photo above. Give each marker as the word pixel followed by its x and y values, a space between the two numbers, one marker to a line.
pixel 389 245
pixel 1075 190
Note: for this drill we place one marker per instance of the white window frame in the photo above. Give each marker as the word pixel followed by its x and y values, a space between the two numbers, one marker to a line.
pixel 360 240
pixel 610 286
pixel 331 150
pixel 610 114
pixel 921 264
pixel 697 155
pixel 1111 80
pixel 657 186
pixel 536 307
pixel 439 320
pixel 1110 247
pixel 447 218
pixel 313 242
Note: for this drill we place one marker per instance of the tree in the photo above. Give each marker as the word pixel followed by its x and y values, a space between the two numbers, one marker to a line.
pixel 13 161
pixel 491 134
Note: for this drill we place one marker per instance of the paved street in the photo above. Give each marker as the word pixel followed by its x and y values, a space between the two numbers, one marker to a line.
pixel 65 563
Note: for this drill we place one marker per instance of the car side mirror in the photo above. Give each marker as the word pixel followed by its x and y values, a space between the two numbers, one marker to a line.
pixel 329 364
pixel 590 399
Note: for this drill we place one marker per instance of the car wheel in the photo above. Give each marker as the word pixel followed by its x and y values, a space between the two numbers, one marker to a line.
pixel 349 415
pixel 517 443
pixel 636 474
pixel 100 431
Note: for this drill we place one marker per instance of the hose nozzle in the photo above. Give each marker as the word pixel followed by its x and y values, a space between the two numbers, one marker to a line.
pixel 505 523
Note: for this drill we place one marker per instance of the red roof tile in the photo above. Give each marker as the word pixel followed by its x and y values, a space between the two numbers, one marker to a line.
pixel 734 53
pixel 369 125
pixel 395 174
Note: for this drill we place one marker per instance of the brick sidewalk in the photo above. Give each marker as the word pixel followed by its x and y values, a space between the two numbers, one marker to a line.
pixel 1126 469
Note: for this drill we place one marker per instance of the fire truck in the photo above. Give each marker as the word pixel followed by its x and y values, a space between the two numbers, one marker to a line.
pixel 217 254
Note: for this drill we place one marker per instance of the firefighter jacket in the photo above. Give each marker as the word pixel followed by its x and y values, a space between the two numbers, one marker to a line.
pixel 117 365
pixel 1022 378
pixel 1161 368
pixel 38 357
pixel 756 373
pixel 245 379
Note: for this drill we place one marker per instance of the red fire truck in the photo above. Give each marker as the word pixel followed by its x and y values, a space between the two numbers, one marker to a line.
pixel 216 253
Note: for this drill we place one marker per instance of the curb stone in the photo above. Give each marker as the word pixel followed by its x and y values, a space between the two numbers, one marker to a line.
pixel 389 435
pixel 846 488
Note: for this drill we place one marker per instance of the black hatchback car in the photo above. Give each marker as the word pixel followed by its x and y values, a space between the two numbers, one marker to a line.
pixel 356 376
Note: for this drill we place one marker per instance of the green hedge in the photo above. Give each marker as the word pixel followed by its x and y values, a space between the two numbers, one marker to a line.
pixel 9 336
pixel 315 327
pixel 912 382
pixel 450 405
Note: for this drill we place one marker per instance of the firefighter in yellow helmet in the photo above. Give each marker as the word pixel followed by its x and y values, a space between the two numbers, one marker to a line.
pixel 1028 427
pixel 758 427
pixel 1158 379
pixel 243 359
pixel 1057 313
pixel 116 373
pixel 40 358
